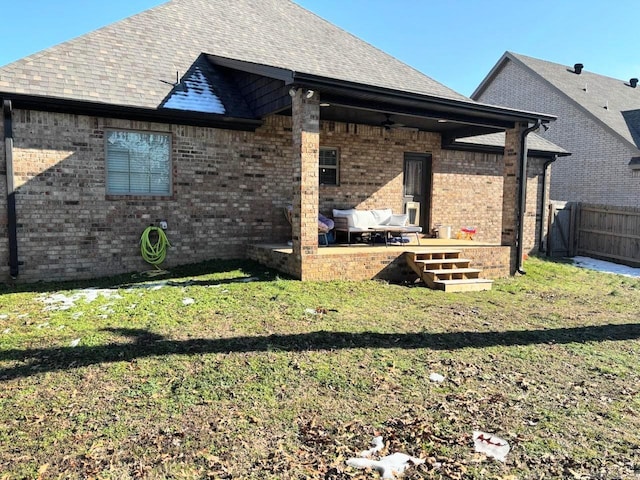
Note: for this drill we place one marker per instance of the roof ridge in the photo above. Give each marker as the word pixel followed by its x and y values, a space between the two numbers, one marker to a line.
pixel 584 71
pixel 129 62
pixel 36 55
pixel 607 110
pixel 457 95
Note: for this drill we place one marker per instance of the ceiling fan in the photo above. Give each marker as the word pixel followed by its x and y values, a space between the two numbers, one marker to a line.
pixel 389 124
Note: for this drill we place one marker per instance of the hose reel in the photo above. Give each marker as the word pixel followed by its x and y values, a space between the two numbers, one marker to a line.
pixel 153 245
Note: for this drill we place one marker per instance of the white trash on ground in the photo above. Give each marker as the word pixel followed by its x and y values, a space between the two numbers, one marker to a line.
pixel 389 466
pixel 316 311
pixel 74 343
pixel 491 445
pixel 436 377
pixel 378 444
pixel 188 301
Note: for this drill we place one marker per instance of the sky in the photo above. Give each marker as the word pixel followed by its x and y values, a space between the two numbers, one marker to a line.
pixel 455 42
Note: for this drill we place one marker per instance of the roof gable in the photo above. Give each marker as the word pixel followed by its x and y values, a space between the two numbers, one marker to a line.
pixel 612 102
pixel 134 62
pixel 208 89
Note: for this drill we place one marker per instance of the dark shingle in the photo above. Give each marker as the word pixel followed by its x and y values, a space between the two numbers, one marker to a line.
pixel 534 142
pixel 206 88
pixel 134 62
pixel 614 102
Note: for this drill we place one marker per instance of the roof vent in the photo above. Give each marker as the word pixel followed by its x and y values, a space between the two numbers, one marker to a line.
pixel 633 82
pixel 577 68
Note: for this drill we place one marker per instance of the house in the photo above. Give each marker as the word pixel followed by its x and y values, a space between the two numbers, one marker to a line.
pixel 212 116
pixel 598 122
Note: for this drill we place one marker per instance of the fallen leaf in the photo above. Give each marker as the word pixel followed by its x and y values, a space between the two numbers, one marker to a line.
pixel 42 470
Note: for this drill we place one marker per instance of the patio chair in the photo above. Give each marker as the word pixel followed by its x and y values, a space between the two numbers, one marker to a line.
pixel 288 212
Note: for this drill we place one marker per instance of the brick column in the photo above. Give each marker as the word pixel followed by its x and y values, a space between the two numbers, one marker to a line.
pixel 510 191
pixel 306 147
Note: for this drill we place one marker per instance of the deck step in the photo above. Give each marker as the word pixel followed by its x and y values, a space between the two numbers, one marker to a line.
pixel 466 285
pixel 443 254
pixel 453 271
pixel 445 263
pixel 446 270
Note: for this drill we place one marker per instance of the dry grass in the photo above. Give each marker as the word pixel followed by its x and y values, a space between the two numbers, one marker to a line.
pixel 244 382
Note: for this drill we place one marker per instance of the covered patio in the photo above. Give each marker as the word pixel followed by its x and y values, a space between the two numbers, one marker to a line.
pixel 378 136
pixel 320 111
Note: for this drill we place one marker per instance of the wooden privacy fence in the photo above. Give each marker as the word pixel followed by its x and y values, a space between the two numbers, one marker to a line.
pixel 599 231
pixel 609 232
pixel 561 229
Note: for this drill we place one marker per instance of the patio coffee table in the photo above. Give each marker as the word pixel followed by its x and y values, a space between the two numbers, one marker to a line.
pixel 386 230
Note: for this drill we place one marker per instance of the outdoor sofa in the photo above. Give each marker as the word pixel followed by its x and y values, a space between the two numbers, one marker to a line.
pixel 382 221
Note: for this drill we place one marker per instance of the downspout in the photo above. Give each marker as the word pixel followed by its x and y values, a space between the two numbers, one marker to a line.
pixel 545 168
pixel 12 232
pixel 522 203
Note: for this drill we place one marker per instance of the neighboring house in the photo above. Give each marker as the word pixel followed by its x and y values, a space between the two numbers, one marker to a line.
pixel 214 115
pixel 598 122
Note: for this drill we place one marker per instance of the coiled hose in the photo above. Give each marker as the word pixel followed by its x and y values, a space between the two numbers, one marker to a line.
pixel 154 253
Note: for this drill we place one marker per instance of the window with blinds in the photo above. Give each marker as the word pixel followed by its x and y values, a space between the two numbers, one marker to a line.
pixel 138 163
pixel 328 166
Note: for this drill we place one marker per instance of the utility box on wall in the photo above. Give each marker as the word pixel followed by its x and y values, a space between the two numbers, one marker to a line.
pixel 412 209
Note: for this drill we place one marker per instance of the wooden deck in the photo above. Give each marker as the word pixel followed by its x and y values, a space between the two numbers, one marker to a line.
pixel 426 244
pixel 365 262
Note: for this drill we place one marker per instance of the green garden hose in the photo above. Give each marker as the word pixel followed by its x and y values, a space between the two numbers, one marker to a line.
pixel 154 253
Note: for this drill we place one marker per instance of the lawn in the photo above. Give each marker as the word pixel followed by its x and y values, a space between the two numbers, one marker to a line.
pixel 225 370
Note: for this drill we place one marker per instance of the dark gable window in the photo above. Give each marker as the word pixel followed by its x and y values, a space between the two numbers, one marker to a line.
pixel 328 166
pixel 138 163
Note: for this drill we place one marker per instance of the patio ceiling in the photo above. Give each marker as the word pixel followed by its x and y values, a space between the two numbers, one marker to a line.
pixel 395 119
pixel 369 105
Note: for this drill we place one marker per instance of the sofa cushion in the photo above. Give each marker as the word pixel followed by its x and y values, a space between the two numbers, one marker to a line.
pixel 348 214
pixel 397 220
pixel 364 219
pixel 381 216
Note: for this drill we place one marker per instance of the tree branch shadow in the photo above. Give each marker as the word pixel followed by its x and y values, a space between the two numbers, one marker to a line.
pixel 144 343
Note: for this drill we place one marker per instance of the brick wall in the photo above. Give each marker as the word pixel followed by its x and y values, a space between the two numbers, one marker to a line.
pixel 383 263
pixel 534 213
pixel 466 186
pixel 305 164
pixel 4 245
pixel 229 190
pixel 597 171
pixel 371 163
pixel 227 193
pixel 467 191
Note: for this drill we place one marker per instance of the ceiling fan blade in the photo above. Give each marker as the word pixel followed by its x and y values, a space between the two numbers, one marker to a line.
pixel 388 123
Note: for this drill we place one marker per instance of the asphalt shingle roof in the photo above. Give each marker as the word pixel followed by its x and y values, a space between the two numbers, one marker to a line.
pixel 534 142
pixel 134 62
pixel 593 92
